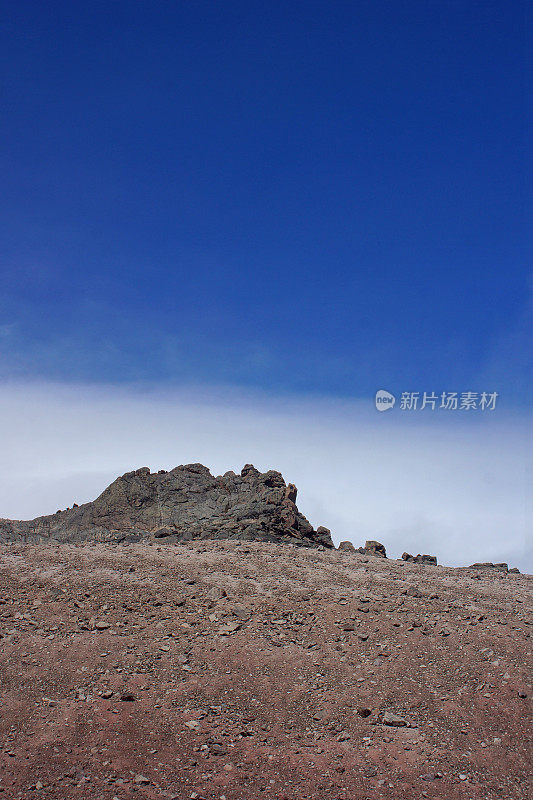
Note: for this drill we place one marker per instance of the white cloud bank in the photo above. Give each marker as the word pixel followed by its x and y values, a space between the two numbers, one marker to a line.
pixel 453 485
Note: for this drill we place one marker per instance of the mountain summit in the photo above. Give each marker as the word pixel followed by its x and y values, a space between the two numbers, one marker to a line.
pixel 180 505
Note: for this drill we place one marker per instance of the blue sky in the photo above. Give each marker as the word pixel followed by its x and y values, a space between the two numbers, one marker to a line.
pixel 224 226
pixel 302 198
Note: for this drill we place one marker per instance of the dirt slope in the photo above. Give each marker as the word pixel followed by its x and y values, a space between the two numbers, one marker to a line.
pixel 126 672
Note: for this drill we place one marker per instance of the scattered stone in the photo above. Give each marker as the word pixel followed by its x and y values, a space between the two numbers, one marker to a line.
pixel 217 749
pixel 240 612
pixel 216 593
pixel 229 627
pixel 394 720
pixel 370 772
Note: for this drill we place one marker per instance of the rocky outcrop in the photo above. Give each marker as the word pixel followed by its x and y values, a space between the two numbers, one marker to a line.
pixel 500 567
pixel 420 559
pixel 373 548
pixel 347 547
pixel 183 504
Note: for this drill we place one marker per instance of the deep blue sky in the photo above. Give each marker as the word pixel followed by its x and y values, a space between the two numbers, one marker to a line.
pixel 308 197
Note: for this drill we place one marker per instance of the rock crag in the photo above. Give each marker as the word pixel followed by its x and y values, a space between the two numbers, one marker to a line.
pixel 420 559
pixel 371 548
pixel 186 503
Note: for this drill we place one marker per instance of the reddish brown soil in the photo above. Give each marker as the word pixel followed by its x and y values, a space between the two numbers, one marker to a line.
pixel 260 693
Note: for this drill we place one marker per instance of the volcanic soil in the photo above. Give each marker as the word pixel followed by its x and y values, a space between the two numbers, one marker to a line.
pixel 235 670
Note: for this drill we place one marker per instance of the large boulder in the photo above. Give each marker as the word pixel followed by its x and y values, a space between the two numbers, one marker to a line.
pixel 374 548
pixel 183 504
pixel 347 547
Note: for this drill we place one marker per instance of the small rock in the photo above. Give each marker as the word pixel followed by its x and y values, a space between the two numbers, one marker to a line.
pixel 240 612
pixel 370 772
pixel 394 720
pixel 216 593
pixel 217 749
pixel 229 627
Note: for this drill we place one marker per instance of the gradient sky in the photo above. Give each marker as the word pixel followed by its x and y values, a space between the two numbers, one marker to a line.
pixel 225 225
pixel 301 197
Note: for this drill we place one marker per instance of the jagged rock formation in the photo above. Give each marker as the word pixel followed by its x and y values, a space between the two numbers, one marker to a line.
pixel 183 504
pixel 420 559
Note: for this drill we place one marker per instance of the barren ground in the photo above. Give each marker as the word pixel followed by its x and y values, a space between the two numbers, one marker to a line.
pixel 125 674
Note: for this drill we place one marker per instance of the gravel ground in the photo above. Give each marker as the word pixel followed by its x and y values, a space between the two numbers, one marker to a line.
pixel 244 670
